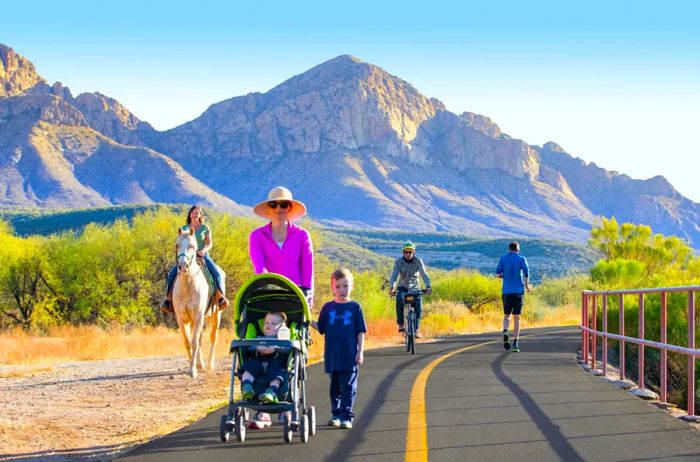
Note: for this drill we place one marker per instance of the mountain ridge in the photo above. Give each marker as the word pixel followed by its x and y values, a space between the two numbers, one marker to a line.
pixel 348 132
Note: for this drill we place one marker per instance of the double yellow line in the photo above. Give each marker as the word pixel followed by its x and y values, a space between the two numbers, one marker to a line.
pixel 417 431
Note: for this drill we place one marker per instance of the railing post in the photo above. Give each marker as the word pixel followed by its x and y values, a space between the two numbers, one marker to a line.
pixel 605 337
pixel 594 340
pixel 640 334
pixel 664 353
pixel 622 332
pixel 691 359
pixel 584 323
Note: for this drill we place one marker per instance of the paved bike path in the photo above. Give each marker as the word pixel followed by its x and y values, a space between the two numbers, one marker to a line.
pixel 480 404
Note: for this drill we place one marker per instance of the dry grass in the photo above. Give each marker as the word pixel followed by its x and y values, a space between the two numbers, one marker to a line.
pixel 66 344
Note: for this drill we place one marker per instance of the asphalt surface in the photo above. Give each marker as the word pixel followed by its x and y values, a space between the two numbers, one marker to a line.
pixel 481 404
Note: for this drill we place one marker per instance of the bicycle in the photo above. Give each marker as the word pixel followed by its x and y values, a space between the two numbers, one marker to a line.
pixel 410 298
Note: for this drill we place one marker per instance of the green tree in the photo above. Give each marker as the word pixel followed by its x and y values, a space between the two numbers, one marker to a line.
pixel 631 242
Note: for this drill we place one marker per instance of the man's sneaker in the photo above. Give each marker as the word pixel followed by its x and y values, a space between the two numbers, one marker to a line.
pixel 516 347
pixel 166 306
pixel 247 391
pixel 346 424
pixel 418 335
pixel 268 397
pixel 223 303
pixel 506 343
pixel 334 422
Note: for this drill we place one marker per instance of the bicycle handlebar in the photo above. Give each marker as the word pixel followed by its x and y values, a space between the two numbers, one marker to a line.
pixel 411 292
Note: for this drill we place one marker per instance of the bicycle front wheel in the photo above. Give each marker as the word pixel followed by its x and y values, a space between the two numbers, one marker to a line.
pixel 411 332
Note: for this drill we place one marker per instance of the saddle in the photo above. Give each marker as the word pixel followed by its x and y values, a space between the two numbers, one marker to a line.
pixel 210 281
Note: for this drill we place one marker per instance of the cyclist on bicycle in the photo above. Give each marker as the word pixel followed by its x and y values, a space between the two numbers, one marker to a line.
pixel 406 270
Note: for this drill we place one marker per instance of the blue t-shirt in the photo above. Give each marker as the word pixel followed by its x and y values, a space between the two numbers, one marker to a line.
pixel 340 323
pixel 513 267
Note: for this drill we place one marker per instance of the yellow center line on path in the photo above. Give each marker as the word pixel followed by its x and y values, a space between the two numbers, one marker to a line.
pixel 417 426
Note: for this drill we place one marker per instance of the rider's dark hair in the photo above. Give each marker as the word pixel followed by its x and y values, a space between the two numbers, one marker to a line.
pixel 201 214
pixel 513 246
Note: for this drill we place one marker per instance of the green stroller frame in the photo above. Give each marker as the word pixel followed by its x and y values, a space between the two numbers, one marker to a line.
pixel 260 295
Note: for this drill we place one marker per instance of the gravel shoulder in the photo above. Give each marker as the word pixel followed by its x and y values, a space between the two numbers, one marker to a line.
pixel 93 410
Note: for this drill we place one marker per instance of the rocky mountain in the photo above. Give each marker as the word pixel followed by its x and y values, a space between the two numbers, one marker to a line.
pixel 359 146
pixel 57 151
pixel 17 74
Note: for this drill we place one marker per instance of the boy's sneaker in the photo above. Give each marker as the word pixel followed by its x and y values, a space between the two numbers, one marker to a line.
pixel 506 340
pixel 334 422
pixel 346 424
pixel 268 397
pixel 247 391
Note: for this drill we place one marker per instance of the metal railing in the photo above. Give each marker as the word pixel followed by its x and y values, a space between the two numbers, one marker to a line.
pixel 590 334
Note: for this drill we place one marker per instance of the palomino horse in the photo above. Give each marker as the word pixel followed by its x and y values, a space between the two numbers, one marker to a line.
pixel 191 302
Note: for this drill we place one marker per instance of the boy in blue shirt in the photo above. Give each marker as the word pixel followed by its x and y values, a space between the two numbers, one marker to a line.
pixel 512 268
pixel 343 324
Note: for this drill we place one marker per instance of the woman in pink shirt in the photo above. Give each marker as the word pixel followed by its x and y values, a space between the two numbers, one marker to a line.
pixel 281 246
pixel 284 248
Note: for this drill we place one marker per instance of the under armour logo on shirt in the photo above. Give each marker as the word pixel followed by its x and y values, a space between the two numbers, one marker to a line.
pixel 346 317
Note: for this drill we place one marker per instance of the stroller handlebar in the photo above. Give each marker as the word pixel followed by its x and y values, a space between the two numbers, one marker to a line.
pixel 296 344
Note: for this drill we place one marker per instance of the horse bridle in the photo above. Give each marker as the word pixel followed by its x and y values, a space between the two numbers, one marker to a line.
pixel 189 258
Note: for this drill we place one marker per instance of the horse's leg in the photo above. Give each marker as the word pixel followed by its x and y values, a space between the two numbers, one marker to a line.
pixel 213 334
pixel 195 343
pixel 185 331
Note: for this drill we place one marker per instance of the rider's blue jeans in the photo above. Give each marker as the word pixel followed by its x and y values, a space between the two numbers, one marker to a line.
pixel 216 272
pixel 418 306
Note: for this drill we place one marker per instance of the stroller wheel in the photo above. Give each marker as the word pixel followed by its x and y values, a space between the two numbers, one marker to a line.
pixel 287 427
pixel 304 428
pixel 225 428
pixel 240 426
pixel 311 413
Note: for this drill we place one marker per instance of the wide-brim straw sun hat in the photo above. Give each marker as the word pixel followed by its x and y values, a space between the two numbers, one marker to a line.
pixel 279 194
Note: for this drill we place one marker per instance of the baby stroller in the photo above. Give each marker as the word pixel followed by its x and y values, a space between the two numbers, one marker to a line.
pixel 261 294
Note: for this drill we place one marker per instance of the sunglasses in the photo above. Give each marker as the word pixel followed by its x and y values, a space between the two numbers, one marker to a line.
pixel 282 204
pixel 408 252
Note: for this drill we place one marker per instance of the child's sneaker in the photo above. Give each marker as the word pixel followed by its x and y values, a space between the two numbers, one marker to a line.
pixel 346 423
pixel 334 422
pixel 506 342
pixel 516 347
pixel 268 397
pixel 247 391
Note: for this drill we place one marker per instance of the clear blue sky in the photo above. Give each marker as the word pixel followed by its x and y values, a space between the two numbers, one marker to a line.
pixel 616 82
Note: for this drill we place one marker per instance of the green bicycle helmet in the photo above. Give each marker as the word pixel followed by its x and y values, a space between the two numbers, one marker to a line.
pixel 408 245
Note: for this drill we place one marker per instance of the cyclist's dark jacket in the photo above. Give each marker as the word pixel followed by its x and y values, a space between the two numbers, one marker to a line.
pixel 407 273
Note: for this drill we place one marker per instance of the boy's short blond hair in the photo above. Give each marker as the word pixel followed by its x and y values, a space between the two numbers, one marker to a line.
pixel 341 273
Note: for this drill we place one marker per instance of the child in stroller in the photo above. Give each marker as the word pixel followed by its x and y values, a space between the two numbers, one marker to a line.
pixel 270 297
pixel 268 363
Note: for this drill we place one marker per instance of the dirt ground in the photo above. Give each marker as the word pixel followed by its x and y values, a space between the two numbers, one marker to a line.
pixel 93 410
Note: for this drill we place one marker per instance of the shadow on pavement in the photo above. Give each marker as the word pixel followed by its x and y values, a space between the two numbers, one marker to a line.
pixel 548 428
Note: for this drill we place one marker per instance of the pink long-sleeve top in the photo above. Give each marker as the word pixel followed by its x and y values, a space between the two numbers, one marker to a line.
pixel 294 260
